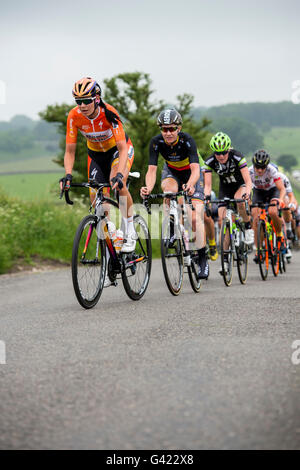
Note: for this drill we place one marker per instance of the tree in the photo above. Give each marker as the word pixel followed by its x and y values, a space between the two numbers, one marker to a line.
pixel 287 161
pixel 244 134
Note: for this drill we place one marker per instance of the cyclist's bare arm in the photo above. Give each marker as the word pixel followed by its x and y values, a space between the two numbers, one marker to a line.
pixel 207 183
pixel 195 175
pixel 247 178
pixel 150 180
pixel 69 158
pixel 123 156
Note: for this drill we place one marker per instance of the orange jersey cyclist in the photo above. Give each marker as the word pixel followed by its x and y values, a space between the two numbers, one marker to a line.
pixel 235 181
pixel 110 151
pixel 181 171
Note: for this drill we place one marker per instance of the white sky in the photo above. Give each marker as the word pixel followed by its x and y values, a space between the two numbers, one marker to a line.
pixel 221 51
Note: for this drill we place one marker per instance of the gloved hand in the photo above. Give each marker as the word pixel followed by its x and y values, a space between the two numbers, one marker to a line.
pixel 65 182
pixel 117 181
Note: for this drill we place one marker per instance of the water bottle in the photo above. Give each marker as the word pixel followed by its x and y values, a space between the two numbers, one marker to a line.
pixel 119 240
pixel 185 235
pixel 112 231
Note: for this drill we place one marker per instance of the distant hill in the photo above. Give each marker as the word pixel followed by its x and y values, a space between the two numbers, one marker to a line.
pixel 263 115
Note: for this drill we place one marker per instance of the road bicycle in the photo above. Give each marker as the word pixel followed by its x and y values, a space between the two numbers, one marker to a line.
pixel 94 252
pixel 177 243
pixel 233 246
pixel 268 247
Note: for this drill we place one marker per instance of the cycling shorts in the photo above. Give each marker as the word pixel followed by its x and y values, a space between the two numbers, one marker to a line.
pixel 228 190
pixel 101 163
pixel 182 177
pixel 265 196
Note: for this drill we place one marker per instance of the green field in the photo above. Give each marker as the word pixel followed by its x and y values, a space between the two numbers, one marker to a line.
pixel 283 140
pixel 31 186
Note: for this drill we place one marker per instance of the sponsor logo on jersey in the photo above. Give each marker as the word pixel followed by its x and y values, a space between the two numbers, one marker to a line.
pixel 97 136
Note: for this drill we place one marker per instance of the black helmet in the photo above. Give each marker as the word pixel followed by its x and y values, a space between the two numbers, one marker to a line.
pixel 261 159
pixel 169 116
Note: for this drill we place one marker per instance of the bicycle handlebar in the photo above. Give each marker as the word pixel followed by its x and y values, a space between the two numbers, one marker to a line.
pixel 90 184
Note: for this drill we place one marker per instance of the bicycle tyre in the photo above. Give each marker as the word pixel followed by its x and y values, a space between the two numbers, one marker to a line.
pixel 173 271
pixel 196 283
pixel 88 263
pixel 227 274
pixel 136 276
pixel 242 256
pixel 262 250
pixel 275 255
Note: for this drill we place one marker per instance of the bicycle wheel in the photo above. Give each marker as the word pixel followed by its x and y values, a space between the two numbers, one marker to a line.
pixel 193 272
pixel 227 251
pixel 136 274
pixel 242 255
pixel 172 254
pixel 262 250
pixel 88 263
pixel 275 255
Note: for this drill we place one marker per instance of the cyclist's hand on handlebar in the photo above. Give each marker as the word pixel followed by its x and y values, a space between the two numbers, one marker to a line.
pixel 292 206
pixel 246 196
pixel 65 182
pixel 190 189
pixel 144 191
pixel 281 204
pixel 117 181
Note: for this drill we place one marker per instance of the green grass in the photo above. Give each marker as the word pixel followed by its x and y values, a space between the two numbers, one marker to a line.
pixel 40 163
pixel 36 228
pixel 283 140
pixel 33 186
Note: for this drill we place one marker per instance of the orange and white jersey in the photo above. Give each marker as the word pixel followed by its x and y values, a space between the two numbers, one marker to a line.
pixel 101 135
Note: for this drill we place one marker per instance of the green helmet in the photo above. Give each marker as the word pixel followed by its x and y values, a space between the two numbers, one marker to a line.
pixel 220 142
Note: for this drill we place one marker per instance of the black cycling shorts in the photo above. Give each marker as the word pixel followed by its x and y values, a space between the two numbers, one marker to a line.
pixel 265 195
pixel 182 177
pixel 228 190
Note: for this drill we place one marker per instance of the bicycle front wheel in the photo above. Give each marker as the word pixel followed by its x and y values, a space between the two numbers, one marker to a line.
pixel 242 256
pixel 227 251
pixel 136 274
pixel 275 255
pixel 172 255
pixel 262 250
pixel 193 272
pixel 88 263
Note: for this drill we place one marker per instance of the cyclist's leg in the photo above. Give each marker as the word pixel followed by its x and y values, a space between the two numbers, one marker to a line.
pixel 125 198
pixel 169 183
pixel 241 207
pixel 98 173
pixel 258 197
pixel 273 211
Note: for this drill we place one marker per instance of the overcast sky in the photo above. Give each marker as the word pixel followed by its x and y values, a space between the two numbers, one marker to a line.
pixel 221 51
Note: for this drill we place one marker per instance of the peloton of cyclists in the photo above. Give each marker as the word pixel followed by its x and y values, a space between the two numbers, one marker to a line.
pixel 181 171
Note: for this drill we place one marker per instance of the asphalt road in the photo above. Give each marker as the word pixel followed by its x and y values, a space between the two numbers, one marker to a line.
pixel 200 371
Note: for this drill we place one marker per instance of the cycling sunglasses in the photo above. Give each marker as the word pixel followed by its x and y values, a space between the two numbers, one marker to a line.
pixel 168 129
pixel 260 167
pixel 84 101
pixel 221 153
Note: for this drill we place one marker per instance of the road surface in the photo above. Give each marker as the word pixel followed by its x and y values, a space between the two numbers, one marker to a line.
pixel 214 370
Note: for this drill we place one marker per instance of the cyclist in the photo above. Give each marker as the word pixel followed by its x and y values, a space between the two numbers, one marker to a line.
pixel 181 171
pixel 267 188
pixel 290 202
pixel 110 150
pixel 235 181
